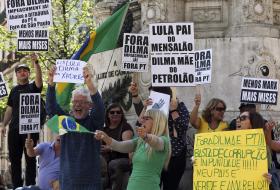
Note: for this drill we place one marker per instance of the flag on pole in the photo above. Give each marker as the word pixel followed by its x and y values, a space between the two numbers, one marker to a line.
pixel 63 124
pixel 104 38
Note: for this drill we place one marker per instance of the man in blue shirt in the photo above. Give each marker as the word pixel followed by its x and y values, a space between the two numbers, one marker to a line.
pixel 49 161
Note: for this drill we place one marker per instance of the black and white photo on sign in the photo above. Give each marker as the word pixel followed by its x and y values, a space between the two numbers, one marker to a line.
pixel 160 101
pixel 171 38
pixel 203 66
pixel 173 70
pixel 33 39
pixel 135 55
pixel 29 113
pixel 25 14
pixel 259 90
pixel 3 86
pixel 70 71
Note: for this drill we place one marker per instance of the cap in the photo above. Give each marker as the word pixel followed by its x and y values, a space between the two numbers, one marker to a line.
pixel 24 66
pixel 248 105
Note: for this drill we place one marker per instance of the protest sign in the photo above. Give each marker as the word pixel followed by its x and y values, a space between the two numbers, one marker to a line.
pixel 203 66
pixel 171 38
pixel 175 70
pixel 29 113
pixel 24 14
pixel 33 40
pixel 259 90
pixel 70 71
pixel 3 86
pixel 230 160
pixel 135 55
pixel 160 101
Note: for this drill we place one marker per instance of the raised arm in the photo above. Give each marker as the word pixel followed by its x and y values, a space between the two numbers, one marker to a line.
pixel 30 149
pixel 194 119
pixel 38 71
pixel 136 100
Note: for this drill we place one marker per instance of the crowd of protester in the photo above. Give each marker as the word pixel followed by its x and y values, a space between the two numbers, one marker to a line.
pixel 149 156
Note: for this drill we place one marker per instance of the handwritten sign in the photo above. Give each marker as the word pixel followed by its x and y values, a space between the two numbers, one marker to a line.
pixel 3 86
pixel 70 71
pixel 24 14
pixel 160 101
pixel 135 55
pixel 29 113
pixel 33 40
pixel 230 160
pixel 259 90
pixel 203 66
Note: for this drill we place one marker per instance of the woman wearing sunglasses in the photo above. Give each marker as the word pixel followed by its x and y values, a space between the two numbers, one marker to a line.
pixel 212 116
pixel 118 164
pixel 151 149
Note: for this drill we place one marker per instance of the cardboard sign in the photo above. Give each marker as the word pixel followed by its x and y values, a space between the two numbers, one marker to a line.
pixel 29 113
pixel 135 56
pixel 160 101
pixel 33 40
pixel 171 38
pixel 230 160
pixel 70 71
pixel 175 70
pixel 259 90
pixel 24 14
pixel 3 86
pixel 203 66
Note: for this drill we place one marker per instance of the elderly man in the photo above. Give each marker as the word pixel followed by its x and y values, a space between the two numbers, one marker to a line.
pixel 80 161
pixel 49 161
pixel 16 141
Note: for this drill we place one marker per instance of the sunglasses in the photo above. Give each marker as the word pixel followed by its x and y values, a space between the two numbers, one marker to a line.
pixel 115 112
pixel 243 117
pixel 220 109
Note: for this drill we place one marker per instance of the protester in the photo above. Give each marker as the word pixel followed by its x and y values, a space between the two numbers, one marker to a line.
pixel 178 121
pixel 151 150
pixel 212 116
pixel 242 108
pixel 117 127
pixel 49 159
pixel 16 141
pixel 80 160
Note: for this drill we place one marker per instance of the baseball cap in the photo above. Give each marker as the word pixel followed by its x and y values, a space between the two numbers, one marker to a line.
pixel 248 105
pixel 24 66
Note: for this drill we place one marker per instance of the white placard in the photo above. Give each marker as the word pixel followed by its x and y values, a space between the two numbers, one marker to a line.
pixel 70 71
pixel 203 66
pixel 24 14
pixel 135 56
pixel 33 39
pixel 3 86
pixel 29 113
pixel 259 90
pixel 171 38
pixel 175 70
pixel 160 101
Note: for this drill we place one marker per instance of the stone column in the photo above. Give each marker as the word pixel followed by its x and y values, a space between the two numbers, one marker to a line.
pixel 251 18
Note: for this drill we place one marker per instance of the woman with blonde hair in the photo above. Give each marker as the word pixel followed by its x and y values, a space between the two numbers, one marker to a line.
pixel 212 116
pixel 151 149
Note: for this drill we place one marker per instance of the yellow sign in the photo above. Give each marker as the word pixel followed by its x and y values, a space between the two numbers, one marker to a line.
pixel 230 160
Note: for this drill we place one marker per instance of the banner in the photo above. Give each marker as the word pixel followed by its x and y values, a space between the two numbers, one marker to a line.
pixel 172 54
pixel 135 56
pixel 230 160
pixel 33 40
pixel 29 113
pixel 70 71
pixel 3 87
pixel 24 14
pixel 203 66
pixel 259 90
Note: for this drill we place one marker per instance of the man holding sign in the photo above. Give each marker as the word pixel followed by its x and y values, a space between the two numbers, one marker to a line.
pixel 16 141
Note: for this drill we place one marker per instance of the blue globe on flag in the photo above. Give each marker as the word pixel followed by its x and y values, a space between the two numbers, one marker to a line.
pixel 69 124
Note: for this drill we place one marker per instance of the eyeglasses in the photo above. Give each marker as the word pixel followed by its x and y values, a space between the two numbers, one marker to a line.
pixel 115 112
pixel 81 102
pixel 243 117
pixel 220 109
pixel 146 118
